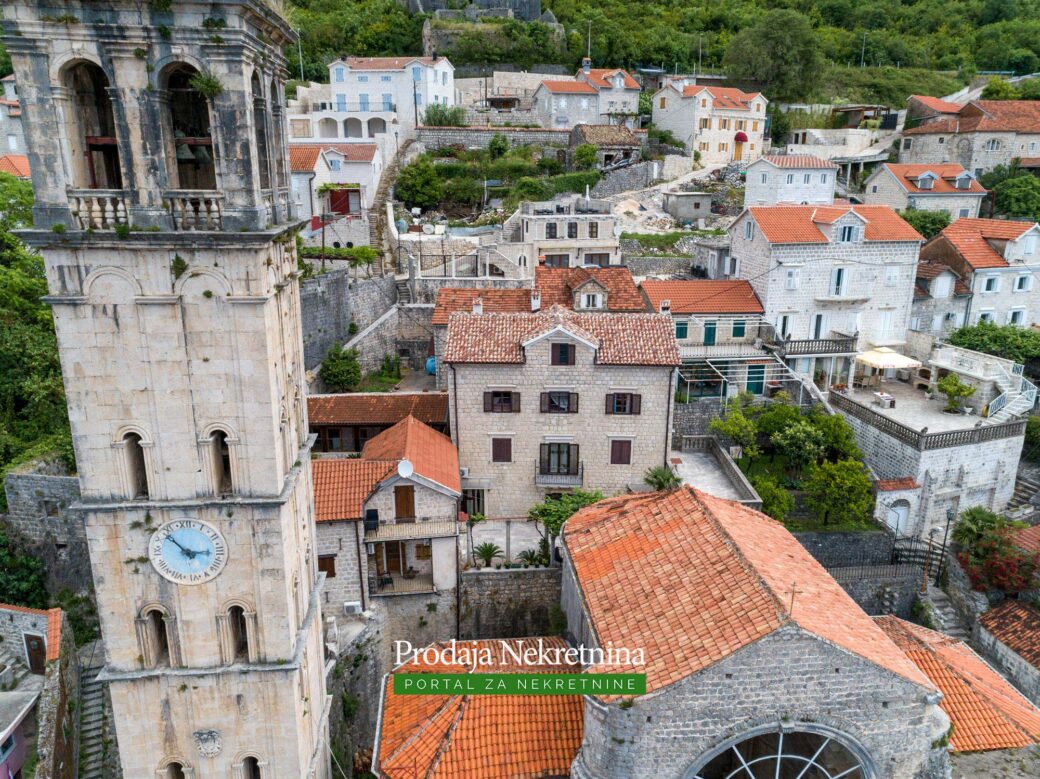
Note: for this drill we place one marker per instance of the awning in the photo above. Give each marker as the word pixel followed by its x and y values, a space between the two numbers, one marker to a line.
pixel 883 358
pixel 740 137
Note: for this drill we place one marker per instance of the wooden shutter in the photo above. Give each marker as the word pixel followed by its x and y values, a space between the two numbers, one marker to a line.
pixel 573 405
pixel 554 354
pixel 544 403
pixel 573 459
pixel 543 458
pixel 502 450
pixel 620 452
pixel 327 565
pixel 516 402
pixel 610 403
pixel 487 401
pixel 635 403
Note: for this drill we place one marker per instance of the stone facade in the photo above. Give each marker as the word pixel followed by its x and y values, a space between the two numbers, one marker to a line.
pixel 708 125
pixel 767 184
pixel 479 137
pixel 977 152
pixel 510 487
pixel 12 139
pixel 1020 672
pixel 883 188
pixel 940 311
pixel 569 232
pixel 331 301
pixel 508 603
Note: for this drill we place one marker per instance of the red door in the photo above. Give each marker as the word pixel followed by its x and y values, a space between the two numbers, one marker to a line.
pixel 339 201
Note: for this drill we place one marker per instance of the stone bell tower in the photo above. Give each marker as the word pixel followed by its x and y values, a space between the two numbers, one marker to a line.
pixel 157 144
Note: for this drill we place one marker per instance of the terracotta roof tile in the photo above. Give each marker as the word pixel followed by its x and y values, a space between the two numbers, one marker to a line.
pixel 1016 625
pixel 724 97
pixel 1028 538
pixel 799 161
pixel 557 286
pixel 971 239
pixel 1014 116
pixel 490 736
pixel 703 297
pixel 986 711
pixel 907 175
pixel 370 408
pixel 621 339
pixel 302 159
pixel 432 454
pixel 569 87
pixel 891 485
pixel 928 270
pixel 383 63
pixel 54 617
pixel 693 578
pixel 800 224
pixel 341 485
pixel 453 299
pixel 353 152
pixel 606 135
pixel 602 77
pixel 937 104
pixel 15 164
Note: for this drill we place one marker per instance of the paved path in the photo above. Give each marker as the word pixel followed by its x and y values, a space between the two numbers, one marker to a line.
pixel 523 535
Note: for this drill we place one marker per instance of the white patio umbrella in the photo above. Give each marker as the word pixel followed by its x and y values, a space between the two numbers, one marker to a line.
pixel 884 358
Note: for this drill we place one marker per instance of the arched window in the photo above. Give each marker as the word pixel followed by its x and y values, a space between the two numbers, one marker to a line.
pixel 327 128
pixel 239 633
pixel 774 752
pixel 159 639
pixel 175 771
pixel 353 128
pixel 92 140
pixel 278 141
pixel 221 459
pixel 135 466
pixel 251 768
pixel 191 155
pixel 263 148
pixel 376 126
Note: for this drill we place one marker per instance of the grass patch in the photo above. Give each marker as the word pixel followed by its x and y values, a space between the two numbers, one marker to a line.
pixel 887 85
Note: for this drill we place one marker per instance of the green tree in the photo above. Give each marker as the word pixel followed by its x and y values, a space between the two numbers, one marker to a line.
pixel 954 389
pixel 1030 90
pixel 586 156
pixel 439 115
pixel 661 478
pixel 464 191
pixel 1008 341
pixel 1000 173
pixel 736 426
pixel 779 125
pixel 498 146
pixel 780 52
pixel 777 417
pixel 800 442
pixel 362 257
pixel 1019 197
pixel 777 502
pixel 22 580
pixel 839 440
pixel 927 223
pixel 839 493
pixel 340 370
pixel 999 89
pixel 551 513
pixel 418 185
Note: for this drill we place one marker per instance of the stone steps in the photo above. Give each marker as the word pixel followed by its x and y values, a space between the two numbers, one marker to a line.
pixel 404 295
pixel 1025 488
pixel 91 723
pixel 18 666
pixel 377 213
pixel 944 615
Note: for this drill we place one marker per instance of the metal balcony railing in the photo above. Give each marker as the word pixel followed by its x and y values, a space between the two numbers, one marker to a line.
pixel 567 476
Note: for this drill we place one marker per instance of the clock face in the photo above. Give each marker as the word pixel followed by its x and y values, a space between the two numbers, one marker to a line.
pixel 187 551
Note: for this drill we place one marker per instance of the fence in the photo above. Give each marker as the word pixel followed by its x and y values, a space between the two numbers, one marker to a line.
pixel 883 555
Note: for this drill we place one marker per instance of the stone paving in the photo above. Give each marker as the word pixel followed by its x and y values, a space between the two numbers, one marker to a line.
pixel 914 409
pixel 522 535
pixel 700 470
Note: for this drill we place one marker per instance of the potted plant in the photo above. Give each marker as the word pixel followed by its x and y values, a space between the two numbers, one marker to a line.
pixel 955 390
pixel 487 552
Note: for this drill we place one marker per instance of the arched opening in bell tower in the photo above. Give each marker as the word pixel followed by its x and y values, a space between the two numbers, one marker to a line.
pixel 239 634
pixel 159 639
pixel 191 154
pixel 92 130
pixel 263 146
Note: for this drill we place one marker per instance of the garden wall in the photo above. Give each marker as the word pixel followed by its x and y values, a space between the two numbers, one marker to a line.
pixel 509 603
pixel 415 333
pixel 471 137
pixel 890 589
pixel 330 301
pixel 843 550
pixel 657 265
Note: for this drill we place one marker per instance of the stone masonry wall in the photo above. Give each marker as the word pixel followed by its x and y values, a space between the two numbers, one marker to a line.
pixel 508 604
pixel 56 713
pixel 331 301
pixel 888 589
pixel 841 550
pixel 438 137
pixel 376 341
pixel 637 176
pixel 657 265
pixel 1022 674
pixel 415 333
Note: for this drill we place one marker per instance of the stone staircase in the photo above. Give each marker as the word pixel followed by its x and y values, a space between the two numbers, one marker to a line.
pixel 944 616
pixel 1018 402
pixel 404 294
pixel 1025 488
pixel 377 213
pixel 91 723
pixel 18 668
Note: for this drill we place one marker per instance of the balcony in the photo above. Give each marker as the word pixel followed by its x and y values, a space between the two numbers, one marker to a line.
pixel 195 209
pixel 565 476
pixel 400 583
pixel 372 106
pixel 838 343
pixel 98 209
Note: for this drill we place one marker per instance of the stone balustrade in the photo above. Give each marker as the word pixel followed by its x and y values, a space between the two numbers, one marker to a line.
pixel 98 209
pixel 195 209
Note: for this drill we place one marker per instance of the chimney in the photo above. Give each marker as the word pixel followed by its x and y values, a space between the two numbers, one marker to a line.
pixel 666 306
pixel 536 300
pixel 586 64
pixel 478 305
pixel 434 57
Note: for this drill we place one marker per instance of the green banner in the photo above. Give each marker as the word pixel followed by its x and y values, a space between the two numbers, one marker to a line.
pixel 519 684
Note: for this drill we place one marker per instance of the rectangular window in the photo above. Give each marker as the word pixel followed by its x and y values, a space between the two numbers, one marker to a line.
pixel 964 212
pixel 838 282
pixel 562 354
pixel 705 124
pixel 682 330
pixel 333 164
pixel 765 178
pixel 1023 283
pixel 473 500
pixel 991 284
pixel 739 328
pixel 623 403
pixel 749 230
pixel 572 229
pixel 501 452
pixel 823 178
pixel 327 565
pixel 723 124
pixel 500 402
pixel 790 178
pixel 784 325
pixel 908 143
pixel 848 234
pixel 12 142
pixel 557 261
pixel 386 78
pixel 341 102
pixel 593 229
pixel 807 179
pixel 591 300
pixel 559 403
pixel 362 79
pixel 363 101
pixel 620 452
pixel 550 230
pixel 416 73
pixel 986 316
pixel 418 98
pixel 663 103
pixel 792 278
pixel 7 747
pixel 1016 316
pixel 558 458
pixel 340 73
pixel 597 258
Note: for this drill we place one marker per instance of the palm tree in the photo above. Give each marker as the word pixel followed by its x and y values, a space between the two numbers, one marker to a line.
pixel 662 478
pixel 487 552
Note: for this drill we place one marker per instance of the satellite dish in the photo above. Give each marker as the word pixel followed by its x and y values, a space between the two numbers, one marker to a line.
pixel 427 229
pixel 405 469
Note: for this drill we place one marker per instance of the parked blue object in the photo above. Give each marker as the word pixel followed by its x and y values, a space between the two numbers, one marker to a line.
pixel 431 366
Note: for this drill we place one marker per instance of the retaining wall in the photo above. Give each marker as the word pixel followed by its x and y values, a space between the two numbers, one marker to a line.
pixel 509 603
pixel 331 301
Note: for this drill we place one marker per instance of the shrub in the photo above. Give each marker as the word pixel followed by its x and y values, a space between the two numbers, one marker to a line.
pixel 553 512
pixel 586 156
pixel 340 370
pixel 549 166
pixel 996 563
pixel 464 191
pixel 437 115
pixel 777 502
pixel 498 145
pixel 487 552
pixel 206 84
pixel 738 428
pixel 927 223
pixel 839 492
pixel 974 524
pixel 418 185
pixel 661 478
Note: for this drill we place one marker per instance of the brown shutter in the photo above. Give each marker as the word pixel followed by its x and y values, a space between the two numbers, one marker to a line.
pixel 543 458
pixel 554 354
pixel 487 401
pixel 571 354
pixel 573 406
pixel 610 403
pixel 574 459
pixel 636 403
pixel 502 450
pixel 516 402
pixel 544 400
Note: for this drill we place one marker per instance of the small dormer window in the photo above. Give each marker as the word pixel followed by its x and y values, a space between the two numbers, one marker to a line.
pixel 963 182
pixel 848 234
pixel 925 182
pixel 619 81
pixel 591 300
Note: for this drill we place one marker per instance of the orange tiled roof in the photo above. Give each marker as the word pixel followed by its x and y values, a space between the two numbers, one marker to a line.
pixel 799 161
pixel 971 239
pixel 570 87
pixel 891 485
pixel 937 104
pixel 606 135
pixel 1009 116
pixel 928 270
pixel 1016 625
pixel 737 567
pixel 341 485
pixel 432 454
pixel 986 711
pixel 1028 538
pixel 383 63
pixel 452 299
pixel 54 621
pixel 907 176
pixel 303 158
pixel 621 339
pixel 602 77
pixel 15 164
pixel 557 286
pixel 724 97
pixel 703 297
pixel 490 736
pixel 370 408
pixel 354 152
pixel 800 224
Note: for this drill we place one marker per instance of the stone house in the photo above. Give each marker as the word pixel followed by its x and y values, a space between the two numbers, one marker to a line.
pixel 12 138
pixel 387 521
pixel 723 124
pixel 564 104
pixel 997 261
pixel 928 187
pixel 981 136
pixel 833 675
pixel 941 299
pixel 615 144
pixel 346 422
pixel 555 400
pixel 1009 636
pixel 687 208
pixel 924 108
pixel 795 178
pixel 357 167
pixel 617 91
pixel 711 257
pixel 833 280
pixel 562 233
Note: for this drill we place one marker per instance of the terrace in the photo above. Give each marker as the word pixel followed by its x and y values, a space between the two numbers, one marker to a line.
pixel 705 465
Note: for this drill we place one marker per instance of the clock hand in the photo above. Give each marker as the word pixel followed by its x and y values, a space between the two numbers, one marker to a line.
pixel 179 546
